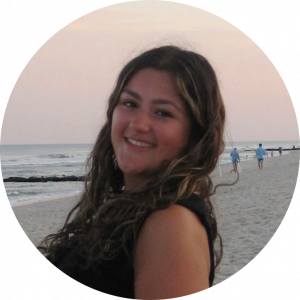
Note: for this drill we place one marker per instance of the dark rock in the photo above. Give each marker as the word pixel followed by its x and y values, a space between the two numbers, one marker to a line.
pixel 45 179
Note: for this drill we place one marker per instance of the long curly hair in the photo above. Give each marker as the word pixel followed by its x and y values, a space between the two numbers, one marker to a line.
pixel 107 218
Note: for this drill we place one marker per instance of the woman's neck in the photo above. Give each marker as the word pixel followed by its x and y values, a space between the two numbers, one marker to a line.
pixel 135 183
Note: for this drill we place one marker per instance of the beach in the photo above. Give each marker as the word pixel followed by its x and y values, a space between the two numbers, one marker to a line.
pixel 248 213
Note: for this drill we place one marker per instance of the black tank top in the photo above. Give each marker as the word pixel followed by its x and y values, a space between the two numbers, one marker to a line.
pixel 116 277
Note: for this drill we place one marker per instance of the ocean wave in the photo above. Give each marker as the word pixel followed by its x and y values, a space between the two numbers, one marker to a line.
pixel 40 163
pixel 55 156
pixel 38 195
pixel 21 193
pixel 13 193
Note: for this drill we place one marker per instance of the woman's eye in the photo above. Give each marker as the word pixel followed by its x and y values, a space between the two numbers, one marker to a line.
pixel 164 114
pixel 129 104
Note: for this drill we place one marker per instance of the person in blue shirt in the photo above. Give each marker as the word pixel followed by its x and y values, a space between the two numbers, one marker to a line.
pixel 234 158
pixel 260 152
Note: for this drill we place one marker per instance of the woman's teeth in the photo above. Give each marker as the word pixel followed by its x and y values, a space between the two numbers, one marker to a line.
pixel 139 144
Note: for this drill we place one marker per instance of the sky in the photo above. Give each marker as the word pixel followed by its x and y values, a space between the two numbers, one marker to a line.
pixel 60 96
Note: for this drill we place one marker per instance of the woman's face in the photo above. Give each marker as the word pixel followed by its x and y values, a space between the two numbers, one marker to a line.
pixel 150 125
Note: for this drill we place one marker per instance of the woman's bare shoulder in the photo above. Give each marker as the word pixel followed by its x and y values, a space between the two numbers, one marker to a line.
pixel 174 218
pixel 172 246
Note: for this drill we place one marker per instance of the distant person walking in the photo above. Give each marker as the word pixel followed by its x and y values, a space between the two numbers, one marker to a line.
pixel 260 151
pixel 234 158
pixel 280 150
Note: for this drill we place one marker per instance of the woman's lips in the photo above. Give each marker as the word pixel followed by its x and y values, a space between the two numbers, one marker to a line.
pixel 141 144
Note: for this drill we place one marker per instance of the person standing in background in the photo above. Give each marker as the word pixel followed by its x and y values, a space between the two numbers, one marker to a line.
pixel 234 158
pixel 260 152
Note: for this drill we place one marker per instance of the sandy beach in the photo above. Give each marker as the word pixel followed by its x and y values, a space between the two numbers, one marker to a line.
pixel 248 212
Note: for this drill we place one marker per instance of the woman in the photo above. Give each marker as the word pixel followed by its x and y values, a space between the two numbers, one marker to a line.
pixel 144 227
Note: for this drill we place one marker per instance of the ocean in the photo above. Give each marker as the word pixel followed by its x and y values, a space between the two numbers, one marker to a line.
pixel 69 160
pixel 43 160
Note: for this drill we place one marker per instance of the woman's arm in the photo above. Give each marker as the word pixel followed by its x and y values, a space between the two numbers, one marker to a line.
pixel 172 256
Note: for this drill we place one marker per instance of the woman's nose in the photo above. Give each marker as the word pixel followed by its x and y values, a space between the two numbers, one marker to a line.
pixel 141 121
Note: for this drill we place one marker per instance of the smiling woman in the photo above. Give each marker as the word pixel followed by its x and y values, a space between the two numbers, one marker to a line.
pixel 145 227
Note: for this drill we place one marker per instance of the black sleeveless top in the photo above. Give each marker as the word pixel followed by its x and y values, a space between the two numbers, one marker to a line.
pixel 116 277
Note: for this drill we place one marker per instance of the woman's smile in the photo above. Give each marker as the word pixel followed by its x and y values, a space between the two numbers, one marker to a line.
pixel 139 144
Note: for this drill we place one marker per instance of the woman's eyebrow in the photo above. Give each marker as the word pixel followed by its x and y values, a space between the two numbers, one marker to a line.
pixel 132 93
pixel 155 101
pixel 167 102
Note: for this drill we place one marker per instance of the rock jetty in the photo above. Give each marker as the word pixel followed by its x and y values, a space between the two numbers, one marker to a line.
pixel 45 179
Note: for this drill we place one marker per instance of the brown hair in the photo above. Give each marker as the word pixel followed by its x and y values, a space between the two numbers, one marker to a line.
pixel 106 218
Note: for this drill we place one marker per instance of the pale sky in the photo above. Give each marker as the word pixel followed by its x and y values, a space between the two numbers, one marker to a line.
pixel 61 95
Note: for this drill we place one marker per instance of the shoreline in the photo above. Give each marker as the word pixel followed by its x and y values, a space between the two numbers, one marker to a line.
pixel 248 213
pixel 45 199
